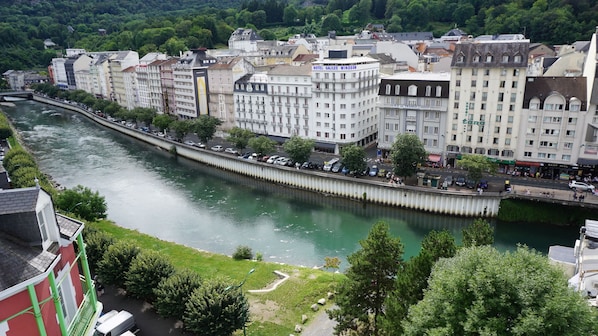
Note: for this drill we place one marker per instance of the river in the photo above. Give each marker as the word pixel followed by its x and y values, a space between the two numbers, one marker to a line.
pixel 178 200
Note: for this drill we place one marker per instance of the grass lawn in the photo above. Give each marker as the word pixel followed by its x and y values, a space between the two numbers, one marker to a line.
pixel 272 313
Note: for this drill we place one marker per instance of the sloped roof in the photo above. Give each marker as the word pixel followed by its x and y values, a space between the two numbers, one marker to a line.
pixel 68 227
pixel 20 262
pixel 18 200
pixel 542 87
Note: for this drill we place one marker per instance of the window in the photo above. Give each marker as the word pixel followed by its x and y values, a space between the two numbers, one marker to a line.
pixel 474 72
pixel 501 96
pixel 570 133
pixel 495 141
pixel 457 95
pixel 485 83
pixel 456 105
pixel 474 83
pixel 498 118
pixel 488 58
pixel 486 72
pixel 458 82
pixel 387 89
pixel 460 59
pixel 428 91
pixel 505 58
pixel 527 154
pixel 496 129
pixel 502 84
pixel 534 106
pixel 438 91
pixel 412 91
pixel 529 142
pixel 517 59
pixel 572 121
pixel 41 221
pixel 513 97
pixel 510 119
pixel 515 72
pixel 484 96
pixel 531 131
pixel 499 107
pixel 574 108
pixel 472 95
pixel 509 130
pixel 566 157
pixel 476 58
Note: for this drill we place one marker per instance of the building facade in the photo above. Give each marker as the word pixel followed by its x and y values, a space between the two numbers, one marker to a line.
pixel 45 284
pixel 191 84
pixel 414 103
pixel 344 101
pixel 487 89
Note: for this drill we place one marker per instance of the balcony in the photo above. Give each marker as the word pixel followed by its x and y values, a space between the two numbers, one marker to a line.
pixel 305 117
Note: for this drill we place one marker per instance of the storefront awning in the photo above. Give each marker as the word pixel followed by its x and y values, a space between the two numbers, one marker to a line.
pixel 499 161
pixel 325 145
pixel 587 162
pixel 527 163
pixel 434 158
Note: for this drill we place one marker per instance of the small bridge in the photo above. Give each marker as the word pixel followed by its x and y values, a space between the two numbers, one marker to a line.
pixel 15 94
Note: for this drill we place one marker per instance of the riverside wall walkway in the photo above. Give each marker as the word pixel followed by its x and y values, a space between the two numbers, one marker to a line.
pixel 453 202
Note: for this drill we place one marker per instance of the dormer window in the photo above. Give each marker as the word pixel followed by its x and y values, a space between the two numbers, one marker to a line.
pixel 476 58
pixel 460 59
pixel 488 58
pixel 412 90
pixel 517 59
pixel 43 229
pixel 388 89
pixel 505 58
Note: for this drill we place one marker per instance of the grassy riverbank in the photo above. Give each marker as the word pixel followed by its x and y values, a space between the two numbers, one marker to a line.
pixel 517 210
pixel 272 313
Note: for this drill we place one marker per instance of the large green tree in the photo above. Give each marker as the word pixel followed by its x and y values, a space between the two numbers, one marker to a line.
pixel 479 233
pixel 173 293
pixel 205 127
pixel 239 137
pixel 262 145
pixel 406 154
pixel 216 309
pixel 299 149
pixel 353 157
pixel 147 271
pixel 412 279
pixel 476 165
pixel 82 202
pixel 369 279
pixel 482 291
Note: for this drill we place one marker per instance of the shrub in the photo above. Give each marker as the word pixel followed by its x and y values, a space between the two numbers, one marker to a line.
pixel 259 256
pixel 243 252
pixel 147 271
pixel 216 309
pixel 116 262
pixel 174 292
pixel 96 244
pixel 83 202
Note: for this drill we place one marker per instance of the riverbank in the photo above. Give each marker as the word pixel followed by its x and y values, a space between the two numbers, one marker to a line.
pixel 405 196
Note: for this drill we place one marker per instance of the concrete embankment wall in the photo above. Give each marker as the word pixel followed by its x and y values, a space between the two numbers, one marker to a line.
pixel 419 198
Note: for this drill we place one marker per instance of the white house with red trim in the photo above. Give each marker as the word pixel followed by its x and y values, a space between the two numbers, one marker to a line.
pixel 45 283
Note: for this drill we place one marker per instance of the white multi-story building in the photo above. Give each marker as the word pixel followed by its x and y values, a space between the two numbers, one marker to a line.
pixel 148 81
pixel 344 99
pixel 191 84
pixel 221 78
pixel 59 73
pixel 288 104
pixel 167 83
pixel 554 109
pixel 99 73
pixel 414 102
pixel 117 62
pixel 251 103
pixel 486 99
pixel 129 77
pixel 244 39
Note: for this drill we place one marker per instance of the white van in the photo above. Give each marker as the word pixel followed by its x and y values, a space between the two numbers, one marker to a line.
pixel 329 164
pixel 116 325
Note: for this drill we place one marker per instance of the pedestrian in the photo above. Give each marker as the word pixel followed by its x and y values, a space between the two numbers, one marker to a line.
pixel 582 197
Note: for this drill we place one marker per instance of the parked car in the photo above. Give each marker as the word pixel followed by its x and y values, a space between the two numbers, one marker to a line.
pixel 582 186
pixel 345 170
pixel 337 167
pixel 449 180
pixel 382 172
pixel 189 143
pixel 200 145
pixel 231 150
pixel 374 171
pixel 483 184
pixel 329 164
pixel 470 184
pixel 217 148
pixel 460 181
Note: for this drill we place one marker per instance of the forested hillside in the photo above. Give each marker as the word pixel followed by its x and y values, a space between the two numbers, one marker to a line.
pixel 174 25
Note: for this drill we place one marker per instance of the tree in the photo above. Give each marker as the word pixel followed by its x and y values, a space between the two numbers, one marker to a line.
pixel 353 157
pixel 267 35
pixel 412 279
pixel 162 121
pixel 481 291
pixel 331 22
pixel 369 279
pixel 215 309
pixel 239 137
pixel 144 114
pixel 479 233
pixel 116 262
pixel 262 145
pixel 181 128
pixel 205 127
pixel 82 202
pixel 476 164
pixel 332 262
pixel 290 15
pixel 406 153
pixel 299 149
pixel 147 271
pixel 173 293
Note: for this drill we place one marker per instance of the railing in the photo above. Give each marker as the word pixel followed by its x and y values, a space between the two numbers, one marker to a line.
pixel 82 320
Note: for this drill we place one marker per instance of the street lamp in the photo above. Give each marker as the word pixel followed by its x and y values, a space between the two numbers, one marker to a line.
pixel 239 286
pixel 70 210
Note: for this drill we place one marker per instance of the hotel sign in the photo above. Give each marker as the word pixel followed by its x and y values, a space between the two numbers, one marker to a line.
pixel 333 67
pixel 473 122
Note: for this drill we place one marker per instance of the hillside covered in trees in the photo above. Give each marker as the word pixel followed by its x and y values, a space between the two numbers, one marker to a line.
pixel 175 25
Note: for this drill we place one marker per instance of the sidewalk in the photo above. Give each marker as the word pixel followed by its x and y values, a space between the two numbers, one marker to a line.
pixel 554 194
